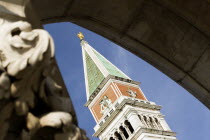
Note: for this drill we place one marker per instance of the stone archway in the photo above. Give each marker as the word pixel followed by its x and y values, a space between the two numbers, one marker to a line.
pixel 173 36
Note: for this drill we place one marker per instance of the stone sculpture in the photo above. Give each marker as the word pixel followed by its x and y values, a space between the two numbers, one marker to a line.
pixel 33 103
pixel 105 104
pixel 131 93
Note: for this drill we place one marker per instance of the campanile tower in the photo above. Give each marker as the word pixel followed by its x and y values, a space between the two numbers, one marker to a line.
pixel 118 105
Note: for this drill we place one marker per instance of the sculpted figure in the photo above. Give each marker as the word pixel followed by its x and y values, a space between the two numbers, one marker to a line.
pixel 105 103
pixel 131 93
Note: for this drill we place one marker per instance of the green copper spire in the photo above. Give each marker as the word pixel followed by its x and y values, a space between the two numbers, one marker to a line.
pixel 94 75
pixel 96 68
pixel 109 66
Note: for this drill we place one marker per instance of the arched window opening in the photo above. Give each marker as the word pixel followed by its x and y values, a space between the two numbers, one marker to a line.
pixel 156 120
pixel 142 120
pixel 158 123
pixel 119 137
pixel 128 124
pixel 125 133
pixel 146 121
pixel 111 138
pixel 140 117
pixel 151 122
pixel 145 118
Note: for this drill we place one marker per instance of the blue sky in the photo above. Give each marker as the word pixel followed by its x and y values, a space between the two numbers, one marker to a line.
pixel 185 115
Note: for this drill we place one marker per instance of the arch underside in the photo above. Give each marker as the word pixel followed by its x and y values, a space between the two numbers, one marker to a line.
pixel 171 35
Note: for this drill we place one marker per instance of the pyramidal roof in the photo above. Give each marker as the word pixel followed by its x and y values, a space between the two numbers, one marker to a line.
pixel 96 68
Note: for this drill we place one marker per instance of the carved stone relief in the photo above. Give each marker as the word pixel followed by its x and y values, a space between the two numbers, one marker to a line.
pixel 131 93
pixel 105 104
pixel 32 103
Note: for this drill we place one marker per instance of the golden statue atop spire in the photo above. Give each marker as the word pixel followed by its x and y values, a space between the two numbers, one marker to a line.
pixel 80 35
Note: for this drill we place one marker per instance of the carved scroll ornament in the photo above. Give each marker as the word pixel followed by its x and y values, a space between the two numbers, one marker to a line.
pixel 21 46
pixel 29 95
